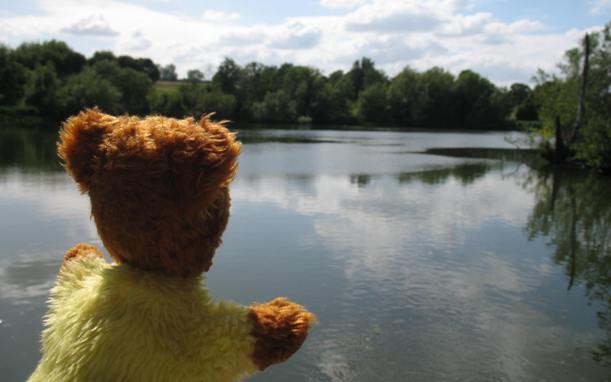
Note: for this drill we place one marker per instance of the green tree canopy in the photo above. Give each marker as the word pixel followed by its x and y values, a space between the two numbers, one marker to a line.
pixel 168 73
pixel 557 97
pixel 65 61
pixel 12 78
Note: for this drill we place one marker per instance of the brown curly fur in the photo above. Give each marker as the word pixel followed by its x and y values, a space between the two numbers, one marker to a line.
pixel 158 186
pixel 80 250
pixel 279 329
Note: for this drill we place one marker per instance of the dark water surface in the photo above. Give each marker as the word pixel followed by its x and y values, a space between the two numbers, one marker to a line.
pixel 420 267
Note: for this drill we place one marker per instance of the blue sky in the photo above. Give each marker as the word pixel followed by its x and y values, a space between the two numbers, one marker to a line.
pixel 505 40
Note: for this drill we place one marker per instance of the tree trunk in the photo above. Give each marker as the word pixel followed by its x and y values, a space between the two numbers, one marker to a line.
pixel 560 148
pixel 581 110
pixel 565 139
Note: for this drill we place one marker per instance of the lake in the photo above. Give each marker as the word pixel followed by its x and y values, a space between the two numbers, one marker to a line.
pixel 419 267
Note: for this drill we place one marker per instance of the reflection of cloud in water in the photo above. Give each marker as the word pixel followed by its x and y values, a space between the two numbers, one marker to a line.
pixel 423 264
pixel 42 211
pixel 55 193
pixel 384 220
pixel 25 278
pixel 43 216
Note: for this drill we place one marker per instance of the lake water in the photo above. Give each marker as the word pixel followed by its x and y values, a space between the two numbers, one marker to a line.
pixel 420 267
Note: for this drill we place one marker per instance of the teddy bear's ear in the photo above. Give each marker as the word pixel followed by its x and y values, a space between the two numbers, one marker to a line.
pixel 79 146
pixel 217 164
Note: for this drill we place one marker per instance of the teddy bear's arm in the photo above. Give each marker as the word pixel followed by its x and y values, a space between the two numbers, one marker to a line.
pixel 279 329
pixel 78 251
pixel 80 262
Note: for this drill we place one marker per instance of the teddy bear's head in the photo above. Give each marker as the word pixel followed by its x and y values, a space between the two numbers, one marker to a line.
pixel 158 186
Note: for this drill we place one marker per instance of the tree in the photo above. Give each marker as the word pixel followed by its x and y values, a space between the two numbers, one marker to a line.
pixel 372 104
pixel 519 102
pixel 168 73
pixel 558 99
pixel 275 107
pixel 439 109
pixel 41 89
pixel 144 65
pixel 227 76
pixel 527 110
pixel 12 78
pixel 64 60
pixel 195 75
pixel 223 105
pixel 517 94
pixel 407 97
pixel 133 85
pixel 478 102
pixel 102 55
pixel 167 103
pixel 88 89
pixel 362 75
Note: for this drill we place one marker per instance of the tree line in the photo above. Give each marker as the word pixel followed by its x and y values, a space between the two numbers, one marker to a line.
pixel 50 79
pixel 575 103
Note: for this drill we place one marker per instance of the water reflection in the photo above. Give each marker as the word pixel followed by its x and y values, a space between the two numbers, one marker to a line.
pixel 573 213
pixel 30 150
pixel 27 278
pixel 418 265
pixel 466 173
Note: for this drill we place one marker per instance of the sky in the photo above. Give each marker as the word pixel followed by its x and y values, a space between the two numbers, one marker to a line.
pixel 505 40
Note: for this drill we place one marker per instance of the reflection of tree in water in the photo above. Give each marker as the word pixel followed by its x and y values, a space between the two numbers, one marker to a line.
pixel 361 180
pixel 465 173
pixel 29 149
pixel 573 211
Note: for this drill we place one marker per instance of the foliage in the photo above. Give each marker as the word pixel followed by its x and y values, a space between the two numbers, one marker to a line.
pixel 197 99
pixel 275 107
pixel 144 65
pixel 166 103
pixel 227 76
pixel 557 96
pixel 88 89
pixel 572 213
pixel 41 89
pixel 168 73
pixel 407 97
pixel 12 78
pixel 58 81
pixel 58 54
pixel 195 75
pixel 371 104
pixel 478 101
pixel 133 86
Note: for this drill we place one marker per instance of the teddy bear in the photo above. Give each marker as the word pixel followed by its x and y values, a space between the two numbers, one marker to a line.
pixel 159 192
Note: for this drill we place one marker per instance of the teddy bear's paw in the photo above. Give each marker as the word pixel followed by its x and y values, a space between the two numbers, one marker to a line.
pixel 279 327
pixel 80 250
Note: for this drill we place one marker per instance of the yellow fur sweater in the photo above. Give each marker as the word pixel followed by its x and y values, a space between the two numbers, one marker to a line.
pixel 117 323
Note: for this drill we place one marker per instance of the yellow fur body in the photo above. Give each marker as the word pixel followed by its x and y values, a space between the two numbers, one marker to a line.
pixel 118 323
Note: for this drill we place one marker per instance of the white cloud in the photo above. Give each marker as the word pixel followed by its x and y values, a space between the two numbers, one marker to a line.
pixel 95 25
pixel 220 16
pixel 393 21
pixel 341 3
pixel 297 36
pixel 242 37
pixel 139 42
pixel 600 6
pixel 461 25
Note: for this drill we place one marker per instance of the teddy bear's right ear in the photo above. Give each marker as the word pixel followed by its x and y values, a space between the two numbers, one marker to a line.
pixel 79 146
